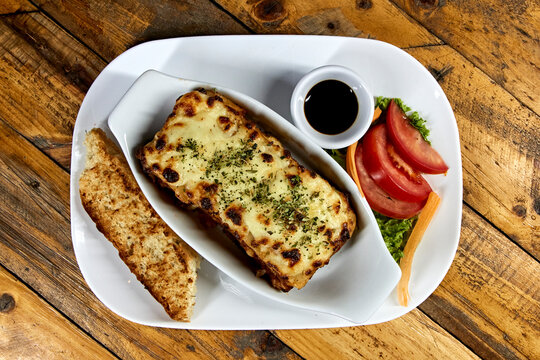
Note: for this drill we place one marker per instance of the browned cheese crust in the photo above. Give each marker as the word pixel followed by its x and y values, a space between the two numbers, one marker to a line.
pixel 214 157
pixel 162 262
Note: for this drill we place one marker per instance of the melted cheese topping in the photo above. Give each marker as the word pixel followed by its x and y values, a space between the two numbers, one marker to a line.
pixel 289 218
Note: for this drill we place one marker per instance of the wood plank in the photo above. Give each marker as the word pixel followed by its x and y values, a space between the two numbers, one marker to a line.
pixel 33 329
pixel 112 27
pixel 35 244
pixel 15 6
pixel 500 37
pixel 380 20
pixel 44 74
pixel 490 298
pixel 413 336
pixel 438 66
pixel 500 146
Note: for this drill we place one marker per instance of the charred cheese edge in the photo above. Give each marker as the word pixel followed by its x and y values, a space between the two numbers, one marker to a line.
pixel 214 157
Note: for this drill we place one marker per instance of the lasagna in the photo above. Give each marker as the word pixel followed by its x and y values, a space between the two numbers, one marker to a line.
pixel 213 156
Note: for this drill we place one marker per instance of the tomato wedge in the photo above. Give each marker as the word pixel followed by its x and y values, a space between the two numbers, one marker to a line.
pixel 410 144
pixel 379 200
pixel 389 171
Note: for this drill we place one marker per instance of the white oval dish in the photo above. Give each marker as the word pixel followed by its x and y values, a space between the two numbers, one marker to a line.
pixel 363 96
pixel 358 278
pixel 268 73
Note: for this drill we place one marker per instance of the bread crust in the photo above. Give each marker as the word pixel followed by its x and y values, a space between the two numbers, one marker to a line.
pixel 162 262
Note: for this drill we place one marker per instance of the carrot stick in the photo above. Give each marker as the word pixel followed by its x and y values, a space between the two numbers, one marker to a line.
pixel 351 165
pixel 376 113
pixel 418 231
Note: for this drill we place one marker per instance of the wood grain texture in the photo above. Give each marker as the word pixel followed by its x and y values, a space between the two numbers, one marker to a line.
pixel 32 329
pixel 111 27
pixel 500 37
pixel 35 244
pixel 413 336
pixel 490 298
pixel 500 146
pixel 340 17
pixel 44 74
pixel 15 6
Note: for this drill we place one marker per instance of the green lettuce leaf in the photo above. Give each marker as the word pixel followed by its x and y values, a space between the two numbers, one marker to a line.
pixel 395 233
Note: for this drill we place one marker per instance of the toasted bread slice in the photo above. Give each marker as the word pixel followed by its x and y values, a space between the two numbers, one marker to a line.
pixel 162 262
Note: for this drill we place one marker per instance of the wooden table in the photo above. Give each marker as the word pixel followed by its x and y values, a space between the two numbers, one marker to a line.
pixel 485 55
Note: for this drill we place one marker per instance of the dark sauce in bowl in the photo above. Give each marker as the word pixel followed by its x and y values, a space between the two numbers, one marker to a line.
pixel 331 107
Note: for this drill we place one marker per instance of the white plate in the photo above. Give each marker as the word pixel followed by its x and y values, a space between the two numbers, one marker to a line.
pixel 265 68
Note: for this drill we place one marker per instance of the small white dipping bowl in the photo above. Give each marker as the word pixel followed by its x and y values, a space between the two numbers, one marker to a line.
pixel 363 96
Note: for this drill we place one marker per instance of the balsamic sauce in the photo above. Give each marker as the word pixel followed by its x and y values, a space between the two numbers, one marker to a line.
pixel 331 107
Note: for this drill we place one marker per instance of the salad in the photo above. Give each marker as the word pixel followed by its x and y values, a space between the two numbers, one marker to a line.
pixel 387 165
